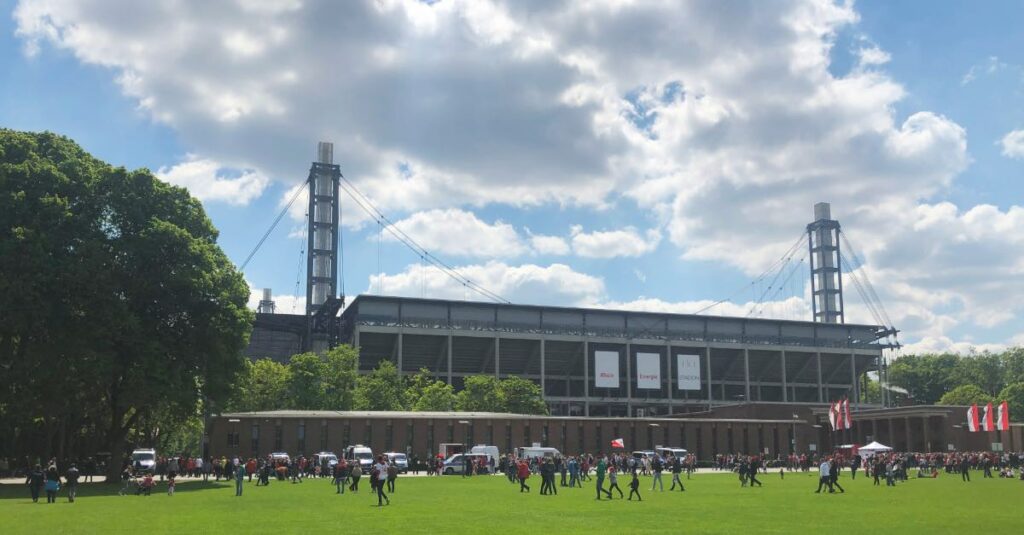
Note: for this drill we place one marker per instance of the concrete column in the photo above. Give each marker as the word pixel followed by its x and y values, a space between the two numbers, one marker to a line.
pixel 707 364
pixel 355 337
pixel 449 349
pixel 853 378
pixel 746 375
pixel 629 377
pixel 785 383
pixel 497 357
pixel 906 431
pixel 821 393
pixel 586 378
pixel 668 370
pixel 543 371
pixel 398 357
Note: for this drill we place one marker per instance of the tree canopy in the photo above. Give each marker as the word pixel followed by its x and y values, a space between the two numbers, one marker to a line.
pixel 120 299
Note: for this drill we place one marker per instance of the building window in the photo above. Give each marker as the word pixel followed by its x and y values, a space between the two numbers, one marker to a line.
pixel 302 437
pixel 346 436
pixel 368 434
pixel 233 439
pixel 451 432
pixel 490 433
pixel 323 435
pixel 255 439
pixel 544 436
pixel 409 441
pixel 430 439
pixel 278 437
pixel 508 436
pixel 579 438
pixel 597 438
pixel 389 435
pixel 526 435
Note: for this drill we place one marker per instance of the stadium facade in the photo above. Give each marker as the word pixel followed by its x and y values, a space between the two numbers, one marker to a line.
pixel 600 362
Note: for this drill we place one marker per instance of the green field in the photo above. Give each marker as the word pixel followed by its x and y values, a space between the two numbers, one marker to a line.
pixel 712 503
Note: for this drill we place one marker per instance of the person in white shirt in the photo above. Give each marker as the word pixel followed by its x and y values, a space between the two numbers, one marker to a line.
pixel 380 471
pixel 823 476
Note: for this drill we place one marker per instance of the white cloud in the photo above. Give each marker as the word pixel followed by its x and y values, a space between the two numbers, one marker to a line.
pixel 990 66
pixel 555 284
pixel 548 245
pixel 206 180
pixel 1013 144
pixel 720 119
pixel 873 55
pixel 944 344
pixel 460 233
pixel 613 243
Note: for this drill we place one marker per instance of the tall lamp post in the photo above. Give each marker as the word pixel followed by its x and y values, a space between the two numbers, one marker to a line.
pixel 465 449
pixel 792 443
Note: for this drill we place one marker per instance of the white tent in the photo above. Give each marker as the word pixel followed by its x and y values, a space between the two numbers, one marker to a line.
pixel 868 450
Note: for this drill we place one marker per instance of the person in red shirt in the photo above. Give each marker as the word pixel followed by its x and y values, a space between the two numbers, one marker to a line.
pixel 250 468
pixel 523 472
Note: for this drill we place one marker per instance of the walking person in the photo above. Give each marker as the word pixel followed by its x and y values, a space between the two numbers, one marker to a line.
pixel 613 481
pixel 634 488
pixel 656 468
pixel 965 469
pixel 523 473
pixel 35 481
pixel 357 472
pixel 752 472
pixel 239 480
pixel 392 476
pixel 677 468
pixel 72 479
pixel 602 467
pixel 833 473
pixel 823 476
pixel 381 471
pixel 52 484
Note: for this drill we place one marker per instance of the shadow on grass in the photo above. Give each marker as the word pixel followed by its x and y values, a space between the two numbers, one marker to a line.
pixel 86 490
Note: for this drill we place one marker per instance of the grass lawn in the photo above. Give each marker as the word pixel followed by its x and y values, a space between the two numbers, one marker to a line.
pixel 712 503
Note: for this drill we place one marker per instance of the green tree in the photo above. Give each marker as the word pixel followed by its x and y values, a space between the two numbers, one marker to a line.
pixel 965 395
pixel 480 393
pixel 983 370
pixel 265 387
pixel 925 377
pixel 521 396
pixel 118 283
pixel 417 384
pixel 437 396
pixel 306 388
pixel 380 390
pixel 1013 365
pixel 1013 395
pixel 340 376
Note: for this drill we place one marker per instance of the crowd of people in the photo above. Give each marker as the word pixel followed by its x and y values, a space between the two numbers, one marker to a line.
pixel 554 472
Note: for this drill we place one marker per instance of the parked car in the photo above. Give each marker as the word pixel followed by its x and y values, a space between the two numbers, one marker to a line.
pixel 280 458
pixel 676 452
pixel 399 460
pixel 490 451
pixel 534 452
pixel 456 464
pixel 326 461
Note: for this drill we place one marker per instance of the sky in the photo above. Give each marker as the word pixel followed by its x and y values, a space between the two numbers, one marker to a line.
pixel 659 156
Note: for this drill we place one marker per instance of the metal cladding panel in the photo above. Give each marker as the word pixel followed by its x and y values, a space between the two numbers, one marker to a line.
pixel 519 316
pixel 725 326
pixel 560 318
pixel 603 320
pixel 832 332
pixel 438 312
pixel 757 328
pixel 475 313
pixel 686 325
pixel 647 323
pixel 379 308
pixel 797 331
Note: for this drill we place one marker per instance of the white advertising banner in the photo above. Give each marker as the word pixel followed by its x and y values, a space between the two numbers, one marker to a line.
pixel 688 372
pixel 648 371
pixel 606 369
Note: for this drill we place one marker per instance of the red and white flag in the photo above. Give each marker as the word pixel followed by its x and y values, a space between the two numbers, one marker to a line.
pixel 972 418
pixel 832 415
pixel 618 443
pixel 987 422
pixel 1003 417
pixel 847 423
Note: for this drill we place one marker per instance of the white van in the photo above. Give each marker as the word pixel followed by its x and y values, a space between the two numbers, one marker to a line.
pixel 361 454
pixel 664 451
pixel 490 451
pixel 535 452
pixel 144 460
